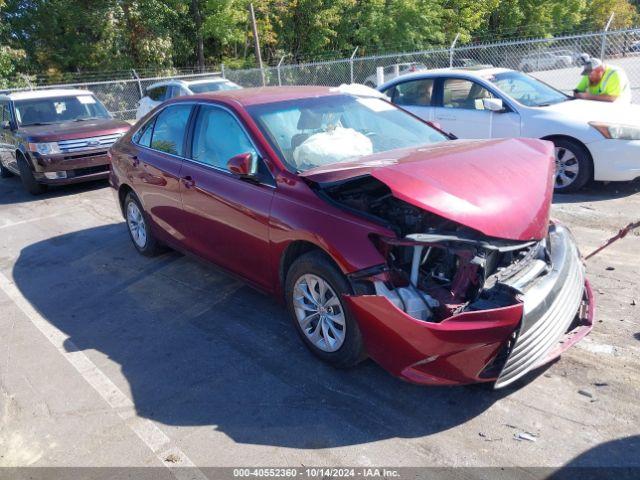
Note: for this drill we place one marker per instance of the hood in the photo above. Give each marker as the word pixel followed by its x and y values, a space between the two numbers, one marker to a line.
pixel 73 130
pixel 594 111
pixel 502 188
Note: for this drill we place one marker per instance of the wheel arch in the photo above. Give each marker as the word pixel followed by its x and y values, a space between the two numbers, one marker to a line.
pixel 123 191
pixel 294 250
pixel 581 144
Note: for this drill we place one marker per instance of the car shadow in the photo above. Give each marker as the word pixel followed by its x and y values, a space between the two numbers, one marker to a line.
pixel 600 191
pixel 198 347
pixel 12 191
pixel 619 459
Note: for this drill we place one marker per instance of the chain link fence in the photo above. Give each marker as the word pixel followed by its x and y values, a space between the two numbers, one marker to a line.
pixel 552 60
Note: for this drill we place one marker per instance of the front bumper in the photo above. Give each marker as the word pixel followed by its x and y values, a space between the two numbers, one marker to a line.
pixel 615 160
pixel 499 345
pixel 77 167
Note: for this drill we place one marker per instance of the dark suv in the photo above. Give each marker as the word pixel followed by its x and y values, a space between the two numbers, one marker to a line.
pixel 54 137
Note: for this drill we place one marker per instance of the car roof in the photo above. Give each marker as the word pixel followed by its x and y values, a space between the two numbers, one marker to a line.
pixel 480 74
pixel 58 92
pixel 263 95
pixel 186 83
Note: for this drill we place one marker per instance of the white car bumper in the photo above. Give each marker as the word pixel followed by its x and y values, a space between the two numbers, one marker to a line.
pixel 615 160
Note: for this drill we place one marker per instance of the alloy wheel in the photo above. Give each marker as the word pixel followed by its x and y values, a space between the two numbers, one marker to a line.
pixel 567 167
pixel 137 225
pixel 319 312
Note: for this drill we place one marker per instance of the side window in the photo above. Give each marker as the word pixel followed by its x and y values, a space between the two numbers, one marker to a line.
pixel 217 136
pixel 172 92
pixel 465 94
pixel 417 93
pixel 143 136
pixel 170 129
pixel 157 94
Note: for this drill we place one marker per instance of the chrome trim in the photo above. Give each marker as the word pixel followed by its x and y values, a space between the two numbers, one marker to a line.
pixel 89 143
pixel 550 306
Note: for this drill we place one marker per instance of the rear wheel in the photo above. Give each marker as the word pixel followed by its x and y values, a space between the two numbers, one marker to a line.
pixel 28 180
pixel 313 290
pixel 138 226
pixel 573 166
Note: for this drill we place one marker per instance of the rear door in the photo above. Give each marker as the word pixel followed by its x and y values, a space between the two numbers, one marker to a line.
pixel 228 217
pixel 155 166
pixel 8 142
pixel 415 96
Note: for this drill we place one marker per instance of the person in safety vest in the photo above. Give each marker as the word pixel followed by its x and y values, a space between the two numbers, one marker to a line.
pixel 605 83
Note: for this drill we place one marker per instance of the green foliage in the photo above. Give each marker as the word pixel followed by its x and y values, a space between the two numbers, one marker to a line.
pixel 57 36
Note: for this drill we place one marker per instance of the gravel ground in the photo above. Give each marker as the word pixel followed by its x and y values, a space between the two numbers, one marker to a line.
pixel 108 358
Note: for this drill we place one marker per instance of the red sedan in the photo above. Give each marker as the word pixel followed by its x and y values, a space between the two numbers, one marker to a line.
pixel 434 257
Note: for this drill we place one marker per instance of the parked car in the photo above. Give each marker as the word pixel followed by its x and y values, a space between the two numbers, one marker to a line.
pixel 545 61
pixel 593 140
pixel 158 92
pixel 634 47
pixel 55 137
pixel 383 237
pixel 393 71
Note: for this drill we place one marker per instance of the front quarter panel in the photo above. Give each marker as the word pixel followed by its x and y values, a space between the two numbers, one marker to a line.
pixel 298 214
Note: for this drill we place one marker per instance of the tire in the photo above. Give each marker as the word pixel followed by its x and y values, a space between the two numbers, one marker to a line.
pixel 138 227
pixel 572 160
pixel 4 172
pixel 28 180
pixel 350 350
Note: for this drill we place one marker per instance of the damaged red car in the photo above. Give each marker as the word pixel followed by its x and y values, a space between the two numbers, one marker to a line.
pixel 385 238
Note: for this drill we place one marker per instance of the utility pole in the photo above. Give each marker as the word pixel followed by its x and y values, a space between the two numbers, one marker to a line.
pixel 256 41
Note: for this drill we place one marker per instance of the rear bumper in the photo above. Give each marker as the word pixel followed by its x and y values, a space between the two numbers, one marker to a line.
pixel 498 345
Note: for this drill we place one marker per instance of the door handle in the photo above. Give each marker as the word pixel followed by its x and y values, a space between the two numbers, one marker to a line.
pixel 188 181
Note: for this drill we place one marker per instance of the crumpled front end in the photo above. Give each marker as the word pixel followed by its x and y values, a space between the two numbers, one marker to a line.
pixel 468 311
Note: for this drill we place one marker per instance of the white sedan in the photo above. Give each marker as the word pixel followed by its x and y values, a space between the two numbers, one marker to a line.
pixel 158 92
pixel 594 140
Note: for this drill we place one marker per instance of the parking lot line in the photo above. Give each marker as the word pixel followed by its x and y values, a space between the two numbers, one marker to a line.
pixel 31 220
pixel 155 439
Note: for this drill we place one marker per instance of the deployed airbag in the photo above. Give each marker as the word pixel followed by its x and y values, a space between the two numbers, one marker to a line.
pixel 332 146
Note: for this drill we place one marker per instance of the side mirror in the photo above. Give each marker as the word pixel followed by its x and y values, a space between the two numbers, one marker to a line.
pixel 493 104
pixel 5 125
pixel 245 165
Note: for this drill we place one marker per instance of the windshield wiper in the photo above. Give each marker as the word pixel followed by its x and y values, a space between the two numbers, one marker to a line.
pixel 36 124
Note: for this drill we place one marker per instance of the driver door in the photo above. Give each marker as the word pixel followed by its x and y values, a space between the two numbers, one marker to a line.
pixel 228 217
pixel 461 111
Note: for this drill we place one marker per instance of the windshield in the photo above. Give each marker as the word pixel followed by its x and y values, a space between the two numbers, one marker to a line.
pixel 44 111
pixel 313 132
pixel 527 90
pixel 213 87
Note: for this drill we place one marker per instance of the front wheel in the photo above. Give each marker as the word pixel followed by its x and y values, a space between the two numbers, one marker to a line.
pixel 573 166
pixel 139 229
pixel 313 290
pixel 28 180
